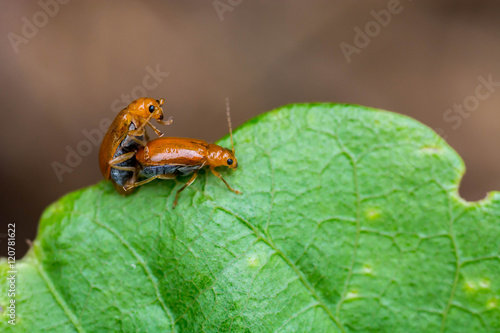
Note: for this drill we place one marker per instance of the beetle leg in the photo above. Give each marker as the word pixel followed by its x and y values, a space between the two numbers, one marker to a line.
pixel 190 181
pixel 141 127
pixel 218 175
pixel 140 130
pixel 166 122
pixel 121 158
pixel 123 168
pixel 136 132
pixel 157 131
pixel 167 177
pixel 145 181
pixel 136 184
pixel 139 141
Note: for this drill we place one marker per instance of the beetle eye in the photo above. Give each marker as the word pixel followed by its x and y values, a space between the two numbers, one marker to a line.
pixel 229 161
pixel 151 108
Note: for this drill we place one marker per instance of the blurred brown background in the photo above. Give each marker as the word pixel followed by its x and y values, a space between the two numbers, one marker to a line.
pixel 65 67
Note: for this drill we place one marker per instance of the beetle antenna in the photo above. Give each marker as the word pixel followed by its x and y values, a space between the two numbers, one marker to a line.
pixel 229 123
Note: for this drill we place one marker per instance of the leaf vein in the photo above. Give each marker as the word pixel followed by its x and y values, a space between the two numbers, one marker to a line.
pixel 59 299
pixel 145 267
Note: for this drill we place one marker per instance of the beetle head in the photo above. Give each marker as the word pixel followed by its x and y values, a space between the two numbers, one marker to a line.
pixel 147 108
pixel 219 156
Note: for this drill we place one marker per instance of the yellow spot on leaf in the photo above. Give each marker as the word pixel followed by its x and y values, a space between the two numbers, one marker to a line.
pixel 476 285
pixel 253 261
pixel 367 269
pixel 471 286
pixel 484 284
pixel 492 303
pixel 373 213
pixel 352 294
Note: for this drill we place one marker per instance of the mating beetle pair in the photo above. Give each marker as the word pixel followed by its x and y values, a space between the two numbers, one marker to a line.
pixel 126 155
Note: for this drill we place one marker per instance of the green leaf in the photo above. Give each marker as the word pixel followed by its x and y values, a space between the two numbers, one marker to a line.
pixel 350 220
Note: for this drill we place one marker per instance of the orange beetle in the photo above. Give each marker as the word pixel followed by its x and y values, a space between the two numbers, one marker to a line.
pixel 167 158
pixel 124 136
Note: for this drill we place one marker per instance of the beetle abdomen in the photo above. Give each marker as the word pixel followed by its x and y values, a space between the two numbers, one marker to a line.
pixel 168 169
pixel 127 145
